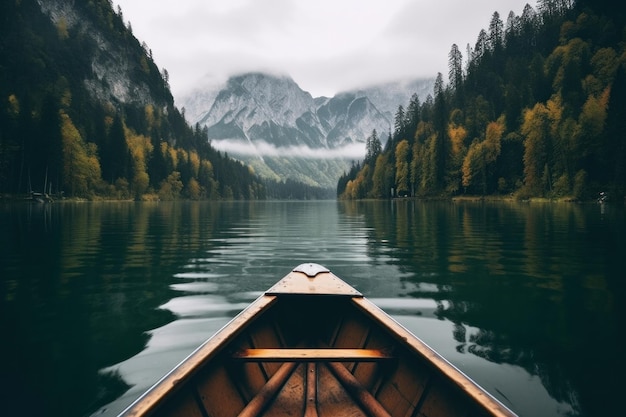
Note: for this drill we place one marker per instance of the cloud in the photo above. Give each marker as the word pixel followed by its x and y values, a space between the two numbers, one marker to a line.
pixel 354 151
pixel 326 46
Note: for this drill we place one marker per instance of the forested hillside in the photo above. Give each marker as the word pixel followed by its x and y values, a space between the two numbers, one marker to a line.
pixel 86 112
pixel 536 108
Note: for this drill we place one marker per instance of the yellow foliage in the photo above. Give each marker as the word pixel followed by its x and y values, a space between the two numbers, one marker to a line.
pixel 480 154
pixel 378 177
pixel 605 63
pixel 66 98
pixel 149 111
pixel 173 156
pixel 208 166
pixel 473 163
pixel 205 174
pixel 594 113
pixel 402 166
pixel 424 131
pixel 141 180
pixel 144 65
pixel 357 188
pixel 456 117
pixel 592 85
pixel 493 140
pixel 457 135
pixel 194 191
pixel 81 167
pixel 140 148
pixel 62 29
pixel 567 30
pixel 349 191
pixel 402 150
pixel 554 108
pixel 93 170
pixel 574 53
pixel 182 156
pixel 535 129
pixel 14 106
pixel 194 161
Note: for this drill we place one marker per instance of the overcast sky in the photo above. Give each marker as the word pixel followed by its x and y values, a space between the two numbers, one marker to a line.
pixel 326 46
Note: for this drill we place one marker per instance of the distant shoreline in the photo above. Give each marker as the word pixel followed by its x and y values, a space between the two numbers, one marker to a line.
pixel 26 198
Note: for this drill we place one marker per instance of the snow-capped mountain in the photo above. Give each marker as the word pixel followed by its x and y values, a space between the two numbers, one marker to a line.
pixel 264 108
pixel 269 122
pixel 350 118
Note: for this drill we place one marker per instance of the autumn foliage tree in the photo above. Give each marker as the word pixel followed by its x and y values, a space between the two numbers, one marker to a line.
pixel 65 130
pixel 536 110
pixel 81 168
pixel 402 168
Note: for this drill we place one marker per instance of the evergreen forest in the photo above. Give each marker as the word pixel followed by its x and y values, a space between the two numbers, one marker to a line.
pixel 536 108
pixel 66 131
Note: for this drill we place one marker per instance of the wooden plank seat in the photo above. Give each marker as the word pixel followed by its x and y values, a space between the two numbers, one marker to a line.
pixel 312 355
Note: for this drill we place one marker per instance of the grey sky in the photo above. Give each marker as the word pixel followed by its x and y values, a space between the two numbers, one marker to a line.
pixel 326 46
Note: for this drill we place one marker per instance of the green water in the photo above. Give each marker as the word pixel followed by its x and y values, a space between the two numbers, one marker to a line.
pixel 99 300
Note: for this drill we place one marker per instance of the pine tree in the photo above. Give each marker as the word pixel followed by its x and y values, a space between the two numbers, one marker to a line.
pixel 455 74
pixel 373 148
pixel 399 123
pixel 496 32
pixel 481 45
pixel 115 157
pixel 412 117
pixel 440 146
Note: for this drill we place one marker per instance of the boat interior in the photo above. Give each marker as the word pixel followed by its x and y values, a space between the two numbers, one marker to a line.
pixel 322 355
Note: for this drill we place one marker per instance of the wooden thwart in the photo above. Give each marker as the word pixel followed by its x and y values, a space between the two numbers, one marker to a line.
pixel 312 355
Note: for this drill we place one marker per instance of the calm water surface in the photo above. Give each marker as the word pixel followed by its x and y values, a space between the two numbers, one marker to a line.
pixel 99 300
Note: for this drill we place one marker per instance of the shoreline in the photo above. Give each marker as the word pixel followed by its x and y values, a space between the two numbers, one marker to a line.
pixel 26 198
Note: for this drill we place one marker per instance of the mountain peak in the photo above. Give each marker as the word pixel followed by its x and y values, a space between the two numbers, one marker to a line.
pixel 252 113
pixel 258 77
pixel 255 99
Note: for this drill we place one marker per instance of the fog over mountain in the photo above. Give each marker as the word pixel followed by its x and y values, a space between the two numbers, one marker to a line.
pixel 388 96
pixel 267 121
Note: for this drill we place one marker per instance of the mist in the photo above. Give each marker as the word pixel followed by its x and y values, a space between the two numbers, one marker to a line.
pixel 352 151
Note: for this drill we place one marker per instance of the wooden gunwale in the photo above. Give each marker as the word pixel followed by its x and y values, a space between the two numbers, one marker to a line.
pixel 278 362
pixel 174 380
pixel 477 393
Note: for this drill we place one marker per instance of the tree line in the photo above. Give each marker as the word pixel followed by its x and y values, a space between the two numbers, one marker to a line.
pixel 536 108
pixel 62 132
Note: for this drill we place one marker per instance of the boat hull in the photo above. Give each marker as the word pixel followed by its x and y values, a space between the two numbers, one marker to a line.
pixel 313 346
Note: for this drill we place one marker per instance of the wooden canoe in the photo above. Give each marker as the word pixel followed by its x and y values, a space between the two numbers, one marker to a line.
pixel 314 346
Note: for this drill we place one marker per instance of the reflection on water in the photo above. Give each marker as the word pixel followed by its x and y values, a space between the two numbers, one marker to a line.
pixel 99 300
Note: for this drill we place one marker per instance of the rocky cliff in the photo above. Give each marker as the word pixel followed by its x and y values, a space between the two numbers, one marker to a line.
pixel 260 118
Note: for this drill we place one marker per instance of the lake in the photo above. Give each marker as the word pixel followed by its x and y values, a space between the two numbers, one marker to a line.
pixel 99 300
